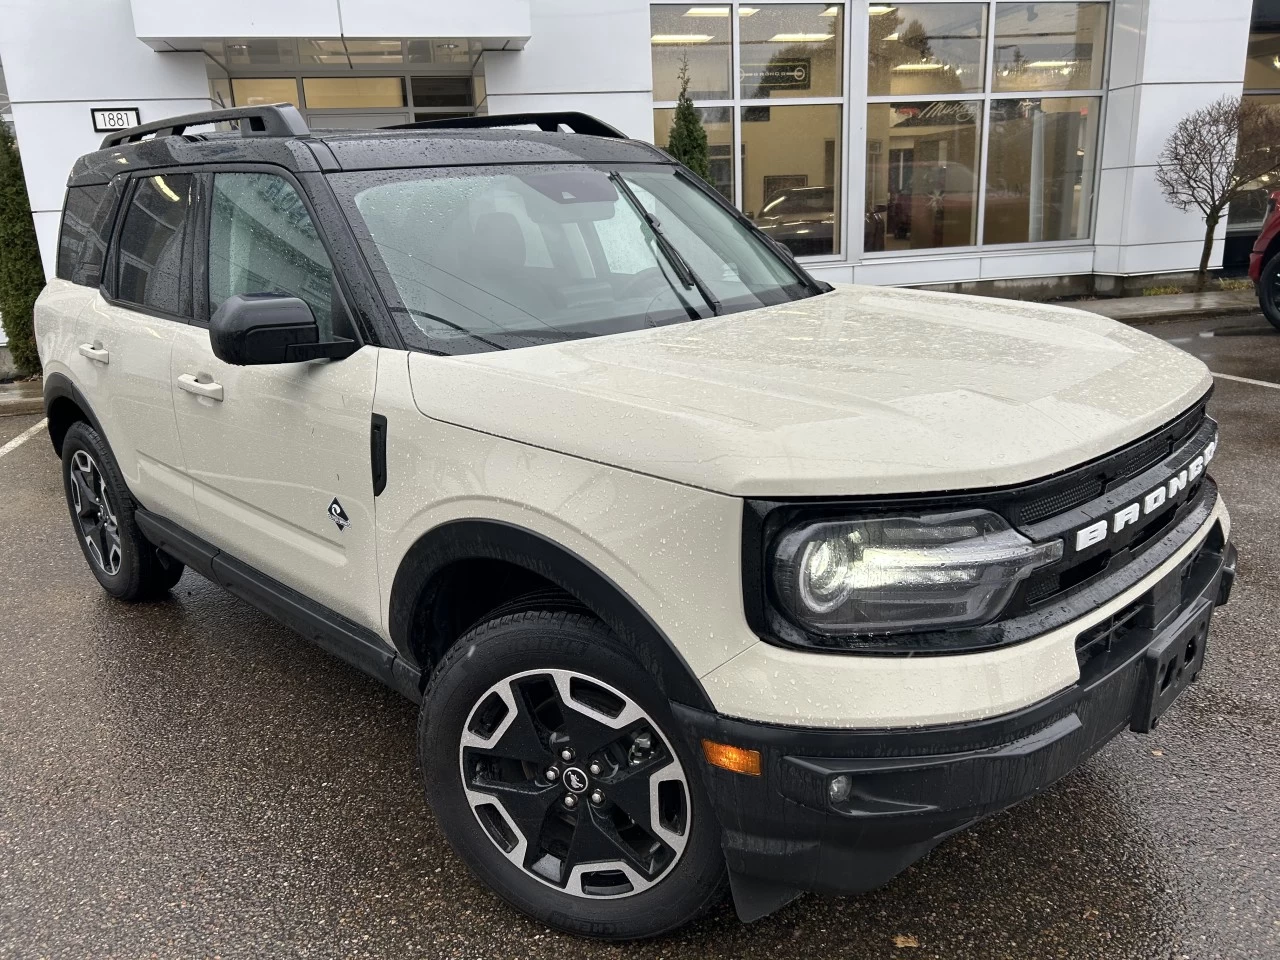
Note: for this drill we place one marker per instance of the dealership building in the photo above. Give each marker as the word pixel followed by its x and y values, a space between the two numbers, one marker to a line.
pixel 936 142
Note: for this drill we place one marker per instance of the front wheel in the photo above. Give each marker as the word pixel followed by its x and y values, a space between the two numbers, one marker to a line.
pixel 1269 291
pixel 552 763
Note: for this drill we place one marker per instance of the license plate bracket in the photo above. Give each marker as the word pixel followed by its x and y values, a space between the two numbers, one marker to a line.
pixel 1170 665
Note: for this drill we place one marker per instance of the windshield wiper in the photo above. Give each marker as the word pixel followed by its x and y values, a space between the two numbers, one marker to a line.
pixel 683 270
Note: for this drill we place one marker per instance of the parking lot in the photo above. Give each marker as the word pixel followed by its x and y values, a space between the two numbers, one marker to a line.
pixel 188 779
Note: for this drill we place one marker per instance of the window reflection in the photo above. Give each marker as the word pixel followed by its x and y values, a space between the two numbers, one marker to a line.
pixel 926 48
pixel 1049 46
pixel 699 35
pixel 791 50
pixel 922 184
pixel 718 122
pixel 791 175
pixel 1040 169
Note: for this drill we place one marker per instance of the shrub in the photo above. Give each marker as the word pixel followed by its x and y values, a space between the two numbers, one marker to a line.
pixel 688 139
pixel 21 275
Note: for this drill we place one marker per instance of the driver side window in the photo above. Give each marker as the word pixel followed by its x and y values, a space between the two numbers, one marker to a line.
pixel 262 240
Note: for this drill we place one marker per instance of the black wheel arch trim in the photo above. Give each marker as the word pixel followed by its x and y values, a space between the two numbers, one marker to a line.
pixel 477 539
pixel 58 386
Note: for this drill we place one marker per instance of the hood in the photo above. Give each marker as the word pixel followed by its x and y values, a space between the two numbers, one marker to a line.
pixel 864 390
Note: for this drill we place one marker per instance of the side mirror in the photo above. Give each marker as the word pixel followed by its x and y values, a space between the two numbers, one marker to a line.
pixel 257 328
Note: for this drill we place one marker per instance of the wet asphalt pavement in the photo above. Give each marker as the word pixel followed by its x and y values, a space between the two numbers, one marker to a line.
pixel 188 779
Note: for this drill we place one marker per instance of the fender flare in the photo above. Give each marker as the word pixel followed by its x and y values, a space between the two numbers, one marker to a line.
pixel 479 539
pixel 59 386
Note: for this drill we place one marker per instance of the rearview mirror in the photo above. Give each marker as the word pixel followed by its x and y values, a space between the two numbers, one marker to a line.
pixel 257 328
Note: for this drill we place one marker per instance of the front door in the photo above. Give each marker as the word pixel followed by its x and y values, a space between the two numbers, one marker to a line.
pixel 279 454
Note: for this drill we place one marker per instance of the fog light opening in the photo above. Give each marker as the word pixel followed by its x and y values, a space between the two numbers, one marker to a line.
pixel 839 788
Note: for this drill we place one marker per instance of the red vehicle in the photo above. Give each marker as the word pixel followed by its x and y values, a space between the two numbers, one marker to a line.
pixel 1264 262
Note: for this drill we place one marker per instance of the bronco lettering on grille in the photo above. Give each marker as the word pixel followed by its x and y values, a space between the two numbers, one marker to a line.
pixel 1170 490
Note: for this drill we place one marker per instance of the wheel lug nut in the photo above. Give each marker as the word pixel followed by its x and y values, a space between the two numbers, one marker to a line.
pixel 566 754
pixel 570 801
pixel 595 769
pixel 553 774
pixel 597 797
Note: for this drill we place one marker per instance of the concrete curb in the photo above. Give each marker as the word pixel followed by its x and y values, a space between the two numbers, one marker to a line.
pixel 1182 306
pixel 21 399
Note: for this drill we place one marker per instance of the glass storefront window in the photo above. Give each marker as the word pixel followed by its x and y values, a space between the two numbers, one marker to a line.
pixel 1040 174
pixel 352 92
pixel 1248 211
pixel 922 180
pixel 926 48
pixel 1262 69
pixel 791 171
pixel 1049 46
pixel 698 35
pixel 250 92
pixel 791 50
pixel 718 122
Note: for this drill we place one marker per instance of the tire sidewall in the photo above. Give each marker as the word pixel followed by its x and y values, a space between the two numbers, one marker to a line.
pixel 1269 292
pixel 520 643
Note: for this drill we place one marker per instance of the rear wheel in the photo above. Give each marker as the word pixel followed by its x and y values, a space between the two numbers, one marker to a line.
pixel 126 565
pixel 1269 291
pixel 553 765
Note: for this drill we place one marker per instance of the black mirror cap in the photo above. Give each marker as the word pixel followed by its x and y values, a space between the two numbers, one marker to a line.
pixel 258 328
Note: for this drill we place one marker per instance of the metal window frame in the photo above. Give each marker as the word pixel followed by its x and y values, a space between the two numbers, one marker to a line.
pixel 853 128
pixel 738 101
pixel 985 97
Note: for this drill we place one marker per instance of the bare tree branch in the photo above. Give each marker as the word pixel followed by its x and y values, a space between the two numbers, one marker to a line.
pixel 1216 154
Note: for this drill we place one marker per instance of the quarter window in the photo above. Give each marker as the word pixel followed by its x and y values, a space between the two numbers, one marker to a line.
pixel 151 245
pixel 77 227
pixel 263 240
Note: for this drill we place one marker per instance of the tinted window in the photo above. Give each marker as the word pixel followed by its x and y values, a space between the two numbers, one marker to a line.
pixel 77 226
pixel 86 228
pixel 151 244
pixel 262 240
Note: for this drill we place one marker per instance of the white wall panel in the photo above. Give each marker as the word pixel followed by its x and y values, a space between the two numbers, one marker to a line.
pixel 1194 41
pixel 184 21
pixel 436 18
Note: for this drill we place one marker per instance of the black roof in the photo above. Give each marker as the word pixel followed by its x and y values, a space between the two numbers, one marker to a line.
pixel 421 145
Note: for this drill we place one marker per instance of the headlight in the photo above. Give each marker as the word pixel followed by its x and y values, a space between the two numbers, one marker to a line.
pixel 901 574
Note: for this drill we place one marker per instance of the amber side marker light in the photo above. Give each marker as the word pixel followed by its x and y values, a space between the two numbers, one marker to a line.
pixel 736 759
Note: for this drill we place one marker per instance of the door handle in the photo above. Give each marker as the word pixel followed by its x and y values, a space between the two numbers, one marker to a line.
pixel 201 388
pixel 95 351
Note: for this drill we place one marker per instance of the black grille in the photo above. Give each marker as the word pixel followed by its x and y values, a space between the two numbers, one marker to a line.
pixel 1078 486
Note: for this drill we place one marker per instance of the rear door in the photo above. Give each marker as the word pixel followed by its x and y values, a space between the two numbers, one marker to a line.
pixel 279 457
pixel 127 334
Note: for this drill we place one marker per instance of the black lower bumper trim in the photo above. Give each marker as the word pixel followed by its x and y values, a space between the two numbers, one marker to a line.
pixel 903 791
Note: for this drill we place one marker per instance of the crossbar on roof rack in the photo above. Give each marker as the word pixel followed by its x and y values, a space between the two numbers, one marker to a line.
pixel 266 120
pixel 549 122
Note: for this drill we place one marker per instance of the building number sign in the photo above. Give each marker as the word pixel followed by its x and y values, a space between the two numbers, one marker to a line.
pixel 106 119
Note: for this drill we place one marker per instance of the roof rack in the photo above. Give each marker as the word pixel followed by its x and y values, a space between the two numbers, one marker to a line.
pixel 549 122
pixel 267 120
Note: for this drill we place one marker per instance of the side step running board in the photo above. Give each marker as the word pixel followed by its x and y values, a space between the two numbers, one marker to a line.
pixel 357 645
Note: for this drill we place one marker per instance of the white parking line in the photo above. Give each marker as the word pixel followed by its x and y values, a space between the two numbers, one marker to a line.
pixel 22 438
pixel 1224 376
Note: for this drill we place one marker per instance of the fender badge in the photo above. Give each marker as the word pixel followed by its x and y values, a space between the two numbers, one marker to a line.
pixel 338 515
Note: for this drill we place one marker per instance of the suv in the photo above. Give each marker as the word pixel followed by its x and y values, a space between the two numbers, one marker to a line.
pixel 702 571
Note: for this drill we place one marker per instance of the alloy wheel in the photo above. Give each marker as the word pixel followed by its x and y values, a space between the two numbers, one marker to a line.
pixel 575 784
pixel 98 522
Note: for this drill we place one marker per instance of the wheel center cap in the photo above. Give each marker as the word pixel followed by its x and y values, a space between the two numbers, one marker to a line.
pixel 576 780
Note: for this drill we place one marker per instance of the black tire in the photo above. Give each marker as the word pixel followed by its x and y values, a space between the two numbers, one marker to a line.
pixel 1269 291
pixel 521 645
pixel 120 557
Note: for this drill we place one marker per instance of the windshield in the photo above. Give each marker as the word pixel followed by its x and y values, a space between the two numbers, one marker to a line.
pixel 501 257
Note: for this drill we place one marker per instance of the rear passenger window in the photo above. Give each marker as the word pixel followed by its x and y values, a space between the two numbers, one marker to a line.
pixel 262 240
pixel 86 229
pixel 151 244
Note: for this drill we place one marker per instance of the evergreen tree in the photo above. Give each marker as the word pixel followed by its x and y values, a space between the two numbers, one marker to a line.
pixel 687 141
pixel 21 276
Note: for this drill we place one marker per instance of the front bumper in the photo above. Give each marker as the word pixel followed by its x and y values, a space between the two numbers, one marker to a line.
pixel 911 788
pixel 1255 267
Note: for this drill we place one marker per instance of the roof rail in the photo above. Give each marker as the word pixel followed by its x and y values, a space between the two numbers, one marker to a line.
pixel 549 122
pixel 267 120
